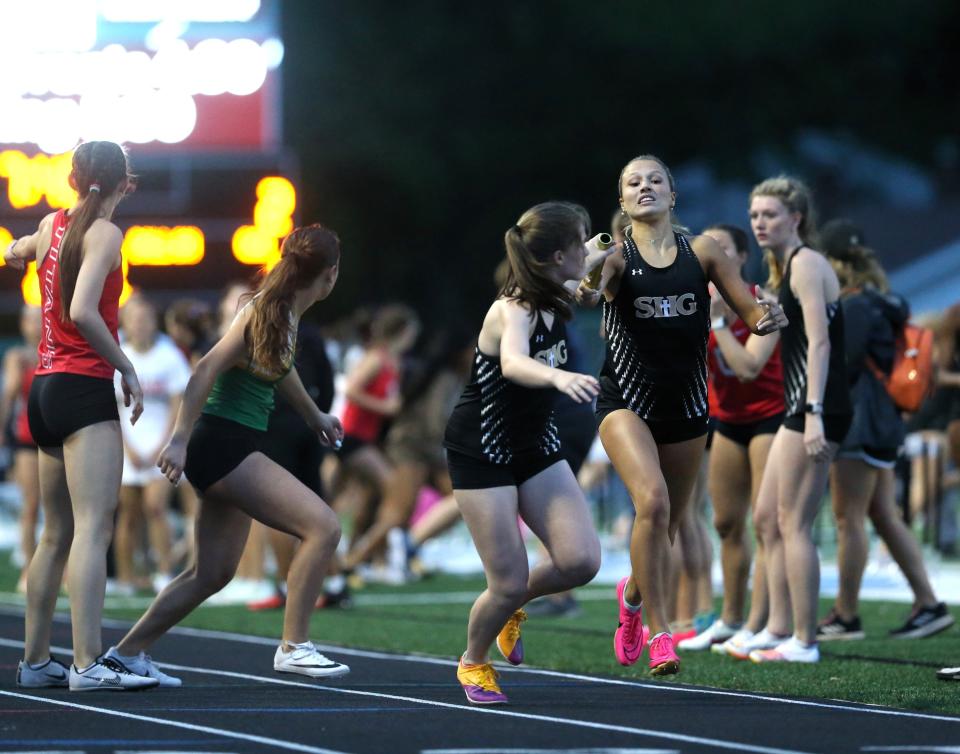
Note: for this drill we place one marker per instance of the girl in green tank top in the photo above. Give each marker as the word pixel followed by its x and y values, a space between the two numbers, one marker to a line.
pixel 222 417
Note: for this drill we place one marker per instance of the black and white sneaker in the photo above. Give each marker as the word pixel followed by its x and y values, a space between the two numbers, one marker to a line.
pixel 306 660
pixel 107 674
pixel 51 674
pixel 925 621
pixel 833 628
pixel 949 674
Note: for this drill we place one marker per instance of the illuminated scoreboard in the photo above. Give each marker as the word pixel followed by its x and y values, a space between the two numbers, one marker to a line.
pixel 192 88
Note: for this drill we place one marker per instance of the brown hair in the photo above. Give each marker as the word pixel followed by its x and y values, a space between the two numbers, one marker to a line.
pixel 390 321
pixel 741 242
pixel 858 267
pixel 99 168
pixel 796 197
pixel 305 253
pixel 531 243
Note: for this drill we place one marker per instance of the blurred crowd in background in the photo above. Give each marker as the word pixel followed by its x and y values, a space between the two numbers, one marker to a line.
pixel 393 381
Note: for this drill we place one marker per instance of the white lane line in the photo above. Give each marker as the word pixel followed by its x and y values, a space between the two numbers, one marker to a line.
pixel 426 660
pixel 275 743
pixel 373 655
pixel 548 751
pixel 936 749
pixel 668 735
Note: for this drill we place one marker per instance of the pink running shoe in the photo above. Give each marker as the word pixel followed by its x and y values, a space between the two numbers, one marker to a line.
pixel 663 658
pixel 631 635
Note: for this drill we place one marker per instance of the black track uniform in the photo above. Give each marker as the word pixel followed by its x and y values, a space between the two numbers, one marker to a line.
pixel 657 328
pixel 501 433
pixel 837 410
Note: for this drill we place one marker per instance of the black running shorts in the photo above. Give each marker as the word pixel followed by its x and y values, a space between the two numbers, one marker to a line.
pixel 470 473
pixel 742 434
pixel 664 431
pixel 835 426
pixel 61 403
pixel 216 447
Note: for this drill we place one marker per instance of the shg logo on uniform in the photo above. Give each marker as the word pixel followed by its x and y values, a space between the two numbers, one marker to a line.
pixel 660 307
pixel 553 356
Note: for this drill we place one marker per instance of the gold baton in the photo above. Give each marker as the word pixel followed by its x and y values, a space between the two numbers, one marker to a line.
pixel 604 242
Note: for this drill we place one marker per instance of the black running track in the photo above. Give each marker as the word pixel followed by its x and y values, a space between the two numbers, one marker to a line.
pixel 232 701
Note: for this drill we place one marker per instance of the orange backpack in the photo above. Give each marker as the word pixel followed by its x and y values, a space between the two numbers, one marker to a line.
pixel 911 379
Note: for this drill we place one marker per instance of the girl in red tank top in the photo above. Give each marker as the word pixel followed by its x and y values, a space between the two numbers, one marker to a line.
pixel 72 403
pixel 362 420
pixel 372 399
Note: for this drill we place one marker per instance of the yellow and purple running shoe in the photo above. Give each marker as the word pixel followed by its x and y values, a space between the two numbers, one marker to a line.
pixel 508 640
pixel 631 635
pixel 663 657
pixel 480 683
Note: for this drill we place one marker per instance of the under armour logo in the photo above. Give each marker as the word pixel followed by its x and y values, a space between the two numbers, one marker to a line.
pixel 539 339
pixel 636 271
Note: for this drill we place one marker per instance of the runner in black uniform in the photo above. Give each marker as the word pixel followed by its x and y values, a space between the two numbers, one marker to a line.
pixel 503 450
pixel 818 416
pixel 652 408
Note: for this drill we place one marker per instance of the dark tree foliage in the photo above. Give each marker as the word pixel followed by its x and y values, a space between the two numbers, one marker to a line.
pixel 426 127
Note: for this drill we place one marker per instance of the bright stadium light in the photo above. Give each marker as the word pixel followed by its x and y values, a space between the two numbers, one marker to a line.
pixel 6 237
pixel 145 11
pixel 164 33
pixel 65 24
pixel 30 179
pixel 247 66
pixel 30 285
pixel 158 245
pixel 273 219
pixel 272 52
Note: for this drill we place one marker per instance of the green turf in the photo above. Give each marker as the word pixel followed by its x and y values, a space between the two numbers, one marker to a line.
pixel 876 670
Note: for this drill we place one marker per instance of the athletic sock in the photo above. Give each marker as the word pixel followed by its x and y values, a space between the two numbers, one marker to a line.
pixel 631 608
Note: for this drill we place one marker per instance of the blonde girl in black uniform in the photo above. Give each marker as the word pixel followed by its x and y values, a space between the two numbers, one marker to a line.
pixel 818 415
pixel 503 451
pixel 652 409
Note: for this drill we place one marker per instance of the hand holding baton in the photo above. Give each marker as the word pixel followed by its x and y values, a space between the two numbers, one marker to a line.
pixel 604 242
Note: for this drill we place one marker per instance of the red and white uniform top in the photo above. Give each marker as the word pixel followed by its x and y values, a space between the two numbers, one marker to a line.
pixel 361 423
pixel 737 402
pixel 62 347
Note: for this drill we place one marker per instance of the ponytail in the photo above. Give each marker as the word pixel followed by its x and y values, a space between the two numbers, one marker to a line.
pixel 530 245
pixel 305 253
pixel 98 169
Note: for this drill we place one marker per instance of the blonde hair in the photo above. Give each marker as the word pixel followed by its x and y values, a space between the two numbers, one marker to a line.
pixel 795 195
pixel 858 267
